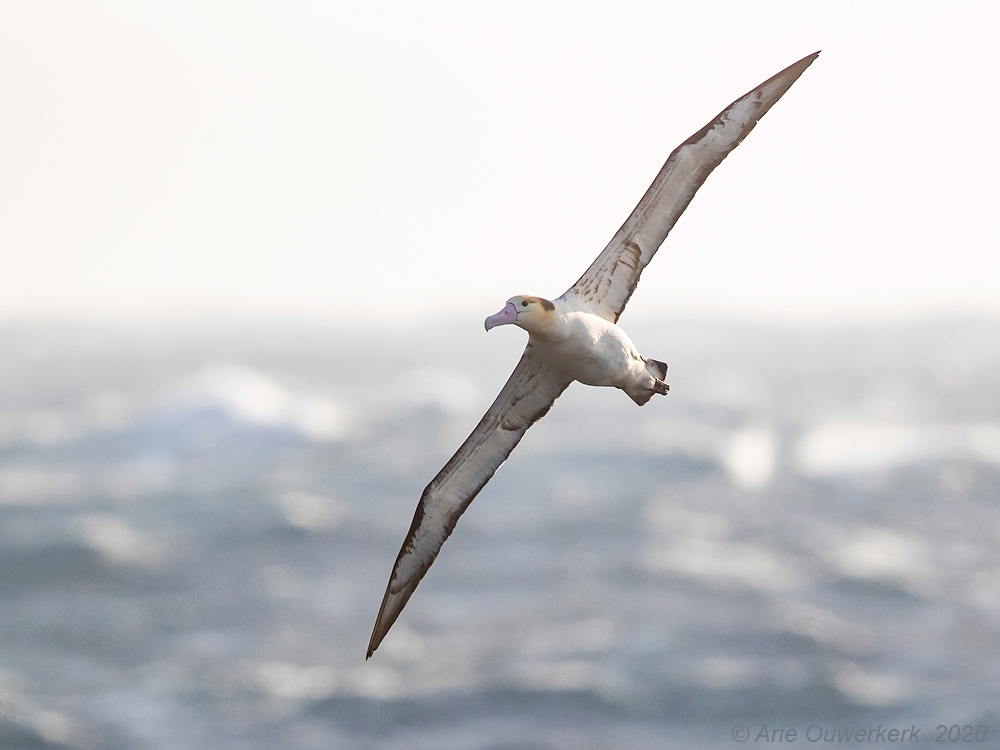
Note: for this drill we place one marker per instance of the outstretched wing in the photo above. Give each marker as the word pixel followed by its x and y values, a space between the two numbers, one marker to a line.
pixel 528 394
pixel 609 282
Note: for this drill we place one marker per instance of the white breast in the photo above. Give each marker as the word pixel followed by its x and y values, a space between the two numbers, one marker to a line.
pixel 590 349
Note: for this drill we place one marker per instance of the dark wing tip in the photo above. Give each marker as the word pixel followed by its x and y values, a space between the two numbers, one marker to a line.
pixel 791 73
pixel 374 641
pixel 769 92
pixel 380 629
pixel 798 67
pixel 393 603
pixel 387 615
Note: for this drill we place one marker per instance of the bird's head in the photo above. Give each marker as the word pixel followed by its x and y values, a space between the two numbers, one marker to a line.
pixel 533 314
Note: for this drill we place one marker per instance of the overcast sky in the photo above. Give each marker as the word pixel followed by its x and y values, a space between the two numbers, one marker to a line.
pixel 399 161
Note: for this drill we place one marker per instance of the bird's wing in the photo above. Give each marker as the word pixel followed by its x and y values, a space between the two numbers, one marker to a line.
pixel 609 282
pixel 528 394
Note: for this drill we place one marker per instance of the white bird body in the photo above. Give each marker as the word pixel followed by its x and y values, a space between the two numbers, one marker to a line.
pixel 592 351
pixel 574 337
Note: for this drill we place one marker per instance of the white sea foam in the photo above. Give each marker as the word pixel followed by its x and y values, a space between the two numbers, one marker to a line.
pixel 120 542
pixel 452 391
pixel 870 688
pixel 27 484
pixel 248 395
pixel 697 544
pixel 845 447
pixel 880 554
pixel 750 456
pixel 297 682
pixel 311 512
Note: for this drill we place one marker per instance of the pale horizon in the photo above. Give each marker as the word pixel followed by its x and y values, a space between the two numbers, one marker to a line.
pixel 396 165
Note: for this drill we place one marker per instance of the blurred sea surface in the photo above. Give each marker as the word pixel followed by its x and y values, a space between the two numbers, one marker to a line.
pixel 197 523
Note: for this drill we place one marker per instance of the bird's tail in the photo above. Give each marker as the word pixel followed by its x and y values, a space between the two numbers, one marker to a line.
pixel 657 371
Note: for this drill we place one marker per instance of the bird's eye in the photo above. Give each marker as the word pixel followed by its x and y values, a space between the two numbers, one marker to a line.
pixel 524 303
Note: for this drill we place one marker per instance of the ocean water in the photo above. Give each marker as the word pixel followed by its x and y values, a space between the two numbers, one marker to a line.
pixel 197 523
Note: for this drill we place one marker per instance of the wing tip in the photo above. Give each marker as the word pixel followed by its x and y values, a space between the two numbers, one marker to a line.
pixel 768 93
pixel 384 620
pixel 378 633
pixel 789 75
pixel 392 605
pixel 807 60
pixel 376 638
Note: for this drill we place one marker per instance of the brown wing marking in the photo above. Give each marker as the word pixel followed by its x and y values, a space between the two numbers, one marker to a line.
pixel 528 394
pixel 607 285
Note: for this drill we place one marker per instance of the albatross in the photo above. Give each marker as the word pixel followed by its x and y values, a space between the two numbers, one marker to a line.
pixel 573 338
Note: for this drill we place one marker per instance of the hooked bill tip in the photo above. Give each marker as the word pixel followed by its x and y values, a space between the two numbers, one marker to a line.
pixel 505 316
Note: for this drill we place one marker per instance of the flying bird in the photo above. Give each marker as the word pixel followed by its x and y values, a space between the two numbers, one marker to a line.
pixel 574 337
